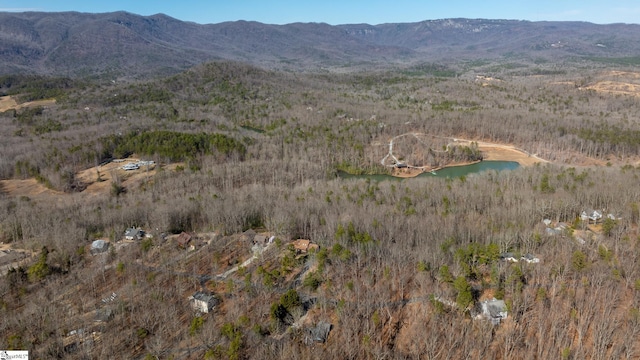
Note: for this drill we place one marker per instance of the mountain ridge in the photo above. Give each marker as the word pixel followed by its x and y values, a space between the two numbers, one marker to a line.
pixel 122 43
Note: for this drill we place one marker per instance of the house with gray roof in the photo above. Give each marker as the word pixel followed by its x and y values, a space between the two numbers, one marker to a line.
pixel 99 246
pixel 529 258
pixel 203 302
pixel 509 256
pixel 104 314
pixel 249 236
pixel 133 234
pixel 318 333
pixel 493 310
pixel 591 215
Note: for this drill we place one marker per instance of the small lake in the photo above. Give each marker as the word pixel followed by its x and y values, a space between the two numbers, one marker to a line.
pixel 449 172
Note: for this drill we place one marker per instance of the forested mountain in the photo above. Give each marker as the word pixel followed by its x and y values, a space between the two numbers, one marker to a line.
pixel 120 43
pixel 156 205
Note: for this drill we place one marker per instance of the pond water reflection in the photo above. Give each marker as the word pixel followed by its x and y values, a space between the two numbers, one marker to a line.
pixel 449 172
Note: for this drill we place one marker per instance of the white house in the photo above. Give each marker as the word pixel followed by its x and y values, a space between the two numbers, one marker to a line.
pixel 530 259
pixel 131 166
pixel 591 215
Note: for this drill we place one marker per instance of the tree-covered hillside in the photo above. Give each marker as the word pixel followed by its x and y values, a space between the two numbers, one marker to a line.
pixel 246 161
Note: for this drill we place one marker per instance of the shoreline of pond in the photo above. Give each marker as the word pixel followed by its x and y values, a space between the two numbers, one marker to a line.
pixel 453 171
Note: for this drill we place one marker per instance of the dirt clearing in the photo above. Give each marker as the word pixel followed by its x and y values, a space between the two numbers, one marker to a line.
pixel 508 153
pixel 9 103
pixel 97 180
pixel 616 87
pixel 617 83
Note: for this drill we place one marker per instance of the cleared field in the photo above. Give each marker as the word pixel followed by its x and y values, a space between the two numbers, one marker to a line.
pixel 616 87
pixel 9 103
pixel 617 83
pixel 98 181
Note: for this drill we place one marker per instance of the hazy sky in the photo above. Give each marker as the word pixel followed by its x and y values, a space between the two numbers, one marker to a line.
pixel 350 11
